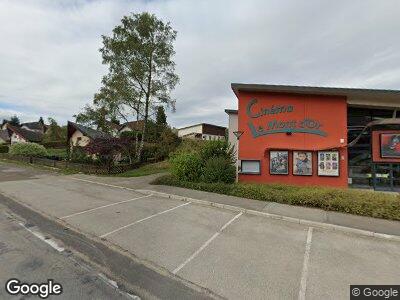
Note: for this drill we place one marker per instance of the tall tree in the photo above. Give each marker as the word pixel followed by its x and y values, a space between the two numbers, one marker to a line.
pixel 55 133
pixel 161 118
pixel 141 70
pixel 14 120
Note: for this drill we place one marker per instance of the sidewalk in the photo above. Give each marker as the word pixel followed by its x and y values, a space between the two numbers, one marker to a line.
pixel 305 213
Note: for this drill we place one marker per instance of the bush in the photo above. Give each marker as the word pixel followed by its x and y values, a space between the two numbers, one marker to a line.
pixel 218 169
pixel 55 144
pixel 364 203
pixel 187 166
pixel 78 155
pixel 217 148
pixel 3 148
pixel 28 149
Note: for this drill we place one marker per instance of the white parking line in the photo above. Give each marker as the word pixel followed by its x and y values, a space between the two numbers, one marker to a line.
pixel 304 274
pixel 105 184
pixel 40 236
pixel 205 244
pixel 104 206
pixel 144 219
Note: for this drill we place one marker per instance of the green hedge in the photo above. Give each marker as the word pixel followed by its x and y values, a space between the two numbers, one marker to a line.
pixel 28 149
pixel 364 203
pixel 3 148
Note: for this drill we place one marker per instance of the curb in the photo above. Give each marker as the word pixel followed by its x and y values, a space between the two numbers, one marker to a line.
pixel 276 217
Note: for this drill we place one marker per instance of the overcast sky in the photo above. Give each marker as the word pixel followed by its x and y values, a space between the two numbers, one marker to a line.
pixel 50 64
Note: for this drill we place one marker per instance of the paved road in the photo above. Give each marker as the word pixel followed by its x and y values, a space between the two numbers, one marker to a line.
pixel 27 258
pixel 237 256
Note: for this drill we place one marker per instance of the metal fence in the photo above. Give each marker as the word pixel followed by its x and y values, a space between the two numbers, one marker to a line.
pixel 65 164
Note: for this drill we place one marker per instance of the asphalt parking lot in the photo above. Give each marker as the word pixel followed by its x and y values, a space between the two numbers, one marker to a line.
pixel 237 256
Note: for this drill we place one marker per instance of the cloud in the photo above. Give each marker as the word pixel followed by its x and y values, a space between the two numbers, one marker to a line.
pixel 50 64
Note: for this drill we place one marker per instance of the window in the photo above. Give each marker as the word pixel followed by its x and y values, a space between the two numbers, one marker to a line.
pixel 250 167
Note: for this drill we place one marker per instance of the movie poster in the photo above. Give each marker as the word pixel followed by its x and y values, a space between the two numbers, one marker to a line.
pixel 278 162
pixel 328 163
pixel 390 145
pixel 302 163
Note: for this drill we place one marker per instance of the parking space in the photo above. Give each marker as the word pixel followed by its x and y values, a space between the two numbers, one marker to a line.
pixel 237 256
pixel 252 257
pixel 60 196
pixel 171 238
pixel 338 260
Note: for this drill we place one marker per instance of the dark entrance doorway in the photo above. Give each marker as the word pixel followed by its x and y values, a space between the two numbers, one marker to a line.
pixel 363 173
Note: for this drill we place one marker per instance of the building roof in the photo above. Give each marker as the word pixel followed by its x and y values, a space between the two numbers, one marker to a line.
pixel 87 131
pixel 113 125
pixel 29 135
pixel 231 111
pixel 203 124
pixel 134 125
pixel 34 125
pixel 4 135
pixel 356 96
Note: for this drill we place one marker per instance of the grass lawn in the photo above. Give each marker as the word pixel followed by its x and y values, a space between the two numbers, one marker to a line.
pixel 148 169
pixel 357 202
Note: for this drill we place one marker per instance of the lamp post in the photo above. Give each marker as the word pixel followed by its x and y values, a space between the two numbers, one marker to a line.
pixel 237 134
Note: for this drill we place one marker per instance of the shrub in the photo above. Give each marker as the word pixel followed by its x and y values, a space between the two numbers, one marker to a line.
pixel 216 148
pixel 55 144
pixel 358 202
pixel 186 166
pixel 218 169
pixel 78 155
pixel 28 149
pixel 3 148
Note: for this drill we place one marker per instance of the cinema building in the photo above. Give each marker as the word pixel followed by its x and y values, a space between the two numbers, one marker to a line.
pixel 305 135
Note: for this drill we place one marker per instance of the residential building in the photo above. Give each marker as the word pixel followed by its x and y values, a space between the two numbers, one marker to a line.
pixel 80 136
pixel 132 126
pixel 23 135
pixel 203 131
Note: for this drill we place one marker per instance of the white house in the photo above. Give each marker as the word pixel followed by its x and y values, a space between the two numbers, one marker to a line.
pixel 202 131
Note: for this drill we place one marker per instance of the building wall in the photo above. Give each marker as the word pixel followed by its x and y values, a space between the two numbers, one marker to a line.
pixel 15 138
pixel 126 128
pixel 329 112
pixel 189 130
pixel 78 139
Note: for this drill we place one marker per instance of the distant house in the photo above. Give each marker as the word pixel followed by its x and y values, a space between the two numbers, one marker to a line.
pixel 23 135
pixel 132 126
pixel 35 126
pixel 80 136
pixel 114 128
pixel 4 136
pixel 203 131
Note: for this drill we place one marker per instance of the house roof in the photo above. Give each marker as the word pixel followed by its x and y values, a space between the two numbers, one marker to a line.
pixel 134 125
pixel 29 135
pixel 113 125
pixel 34 125
pixel 87 131
pixel 4 135
pixel 315 90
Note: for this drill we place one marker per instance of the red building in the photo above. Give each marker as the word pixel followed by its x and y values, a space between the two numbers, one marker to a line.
pixel 299 135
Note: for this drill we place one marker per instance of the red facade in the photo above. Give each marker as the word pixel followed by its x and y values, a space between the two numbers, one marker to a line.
pixel 292 122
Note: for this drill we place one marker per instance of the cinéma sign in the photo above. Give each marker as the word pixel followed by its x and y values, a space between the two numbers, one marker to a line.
pixel 306 125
